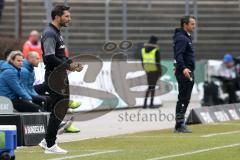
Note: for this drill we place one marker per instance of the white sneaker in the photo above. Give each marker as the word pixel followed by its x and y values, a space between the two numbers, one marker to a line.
pixel 43 144
pixel 55 150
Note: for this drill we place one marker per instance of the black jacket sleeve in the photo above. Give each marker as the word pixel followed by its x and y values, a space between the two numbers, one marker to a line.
pixel 158 60
pixel 179 50
pixel 53 60
pixel 49 45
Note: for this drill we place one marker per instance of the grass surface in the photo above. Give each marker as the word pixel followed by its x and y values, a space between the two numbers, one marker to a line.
pixel 149 145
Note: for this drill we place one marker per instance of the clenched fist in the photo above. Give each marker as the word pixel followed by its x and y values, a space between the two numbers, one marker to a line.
pixel 79 67
pixel 74 66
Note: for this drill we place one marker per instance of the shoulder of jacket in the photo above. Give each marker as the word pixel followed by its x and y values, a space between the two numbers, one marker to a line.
pixel 24 70
pixel 48 33
pixel 8 71
pixel 182 38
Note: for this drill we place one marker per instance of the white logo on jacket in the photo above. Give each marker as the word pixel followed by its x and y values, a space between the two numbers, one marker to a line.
pixel 62 47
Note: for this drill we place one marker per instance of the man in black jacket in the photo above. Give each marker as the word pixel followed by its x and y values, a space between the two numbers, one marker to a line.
pixel 56 79
pixel 184 68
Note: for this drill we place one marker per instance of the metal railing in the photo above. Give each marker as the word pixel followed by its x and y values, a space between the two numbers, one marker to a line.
pixel 49 4
pixel 124 20
pixel 18 19
pixel 107 10
pixel 195 13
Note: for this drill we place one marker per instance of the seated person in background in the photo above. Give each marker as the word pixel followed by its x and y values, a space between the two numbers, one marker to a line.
pixel 32 44
pixel 27 77
pixel 11 86
pixel 6 54
pixel 39 97
pixel 228 72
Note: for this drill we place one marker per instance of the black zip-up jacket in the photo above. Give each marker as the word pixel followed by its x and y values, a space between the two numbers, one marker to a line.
pixel 183 51
pixel 53 48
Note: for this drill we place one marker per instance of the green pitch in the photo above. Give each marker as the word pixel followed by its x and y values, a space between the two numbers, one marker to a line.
pixel 211 142
pixel 2 140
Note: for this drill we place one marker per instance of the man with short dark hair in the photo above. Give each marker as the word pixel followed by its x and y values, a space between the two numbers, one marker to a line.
pixel 53 48
pixel 184 68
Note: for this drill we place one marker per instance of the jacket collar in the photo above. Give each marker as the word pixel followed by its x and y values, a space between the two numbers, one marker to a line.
pixel 182 31
pixel 27 65
pixel 55 28
pixel 12 65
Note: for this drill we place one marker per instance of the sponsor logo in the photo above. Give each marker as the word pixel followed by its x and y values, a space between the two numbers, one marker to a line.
pixel 4 107
pixel 234 114
pixel 206 117
pixel 62 47
pixel 221 116
pixel 34 129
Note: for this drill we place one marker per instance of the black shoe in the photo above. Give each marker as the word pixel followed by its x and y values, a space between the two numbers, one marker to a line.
pixel 182 129
pixel 144 107
pixel 155 106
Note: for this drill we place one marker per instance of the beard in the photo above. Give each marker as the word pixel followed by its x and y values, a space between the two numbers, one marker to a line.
pixel 64 24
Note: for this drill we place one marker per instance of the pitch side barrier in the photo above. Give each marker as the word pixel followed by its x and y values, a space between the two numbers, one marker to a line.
pixel 214 114
pixel 31 127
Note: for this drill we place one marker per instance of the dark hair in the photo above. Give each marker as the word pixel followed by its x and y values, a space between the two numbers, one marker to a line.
pixel 58 10
pixel 153 40
pixel 7 52
pixel 185 20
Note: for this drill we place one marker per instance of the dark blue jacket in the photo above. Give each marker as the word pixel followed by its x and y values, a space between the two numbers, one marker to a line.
pixel 183 51
pixel 10 85
pixel 27 77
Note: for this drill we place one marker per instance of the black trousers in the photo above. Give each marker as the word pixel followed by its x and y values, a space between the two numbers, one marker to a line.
pixel 152 78
pixel 59 94
pixel 231 88
pixel 25 106
pixel 43 101
pixel 41 89
pixel 185 87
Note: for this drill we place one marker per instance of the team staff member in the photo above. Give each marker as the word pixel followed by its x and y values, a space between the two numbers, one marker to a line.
pixel 27 76
pixel 151 64
pixel 185 65
pixel 53 48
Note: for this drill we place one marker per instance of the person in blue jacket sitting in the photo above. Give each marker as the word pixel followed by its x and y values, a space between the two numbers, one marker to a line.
pixel 27 77
pixel 11 87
